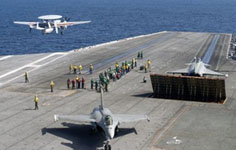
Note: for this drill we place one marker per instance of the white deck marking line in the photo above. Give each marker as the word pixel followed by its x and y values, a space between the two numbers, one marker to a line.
pixel 227 53
pixel 5 57
pixel 32 64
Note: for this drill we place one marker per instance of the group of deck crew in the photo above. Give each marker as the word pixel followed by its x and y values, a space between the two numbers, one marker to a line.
pixel 76 83
pixel 103 79
pixel 78 69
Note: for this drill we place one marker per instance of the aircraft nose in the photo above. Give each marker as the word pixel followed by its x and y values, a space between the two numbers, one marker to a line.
pixel 111 133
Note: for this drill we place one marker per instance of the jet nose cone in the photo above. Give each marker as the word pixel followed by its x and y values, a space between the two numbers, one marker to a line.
pixel 111 133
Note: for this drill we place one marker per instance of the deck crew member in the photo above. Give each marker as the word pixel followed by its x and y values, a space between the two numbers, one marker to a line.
pixel 75 69
pixel 90 68
pixel 80 68
pixel 36 99
pixel 117 66
pixel 77 81
pixel 92 84
pixel 135 62
pixel 138 55
pixel 96 85
pixel 83 81
pixel 26 77
pixel 71 68
pixel 144 79
pixel 52 85
pixel 68 83
pixel 145 68
pixel 73 83
pixel 149 63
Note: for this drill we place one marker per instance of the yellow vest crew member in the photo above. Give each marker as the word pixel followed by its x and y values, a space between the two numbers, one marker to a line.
pixel 36 99
pixel 145 68
pixel 149 64
pixel 26 77
pixel 80 68
pixel 91 69
pixel 51 85
pixel 71 68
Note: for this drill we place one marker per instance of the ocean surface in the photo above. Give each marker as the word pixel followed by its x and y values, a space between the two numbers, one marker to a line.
pixel 111 20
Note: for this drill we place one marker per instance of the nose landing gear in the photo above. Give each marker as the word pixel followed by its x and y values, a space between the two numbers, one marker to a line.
pixel 107 146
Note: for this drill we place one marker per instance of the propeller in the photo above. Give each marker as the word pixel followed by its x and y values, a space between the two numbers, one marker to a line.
pixel 56 28
pixel 66 19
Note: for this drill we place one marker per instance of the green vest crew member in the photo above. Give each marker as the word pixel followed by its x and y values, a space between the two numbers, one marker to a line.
pixel 26 77
pixel 96 85
pixel 92 84
pixel 138 55
pixel 141 55
pixel 51 85
pixel 36 99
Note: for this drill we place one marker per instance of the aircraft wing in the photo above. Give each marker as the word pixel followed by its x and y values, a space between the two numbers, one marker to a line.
pixel 210 72
pixel 71 23
pixel 76 118
pixel 180 71
pixel 121 118
pixel 25 23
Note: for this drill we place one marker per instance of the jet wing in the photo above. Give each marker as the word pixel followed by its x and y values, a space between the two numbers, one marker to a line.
pixel 71 23
pixel 210 72
pixel 121 118
pixel 76 118
pixel 25 23
pixel 180 71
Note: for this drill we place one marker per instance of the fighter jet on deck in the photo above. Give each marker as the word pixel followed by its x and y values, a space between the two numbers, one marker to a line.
pixel 102 118
pixel 196 68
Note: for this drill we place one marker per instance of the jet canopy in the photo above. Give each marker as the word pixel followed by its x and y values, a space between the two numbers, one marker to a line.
pixel 108 120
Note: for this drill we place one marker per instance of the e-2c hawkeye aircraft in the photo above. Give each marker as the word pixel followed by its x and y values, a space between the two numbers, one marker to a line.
pixel 196 68
pixel 51 23
pixel 102 118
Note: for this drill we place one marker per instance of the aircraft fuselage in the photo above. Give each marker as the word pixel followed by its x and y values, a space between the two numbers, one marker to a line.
pixel 104 119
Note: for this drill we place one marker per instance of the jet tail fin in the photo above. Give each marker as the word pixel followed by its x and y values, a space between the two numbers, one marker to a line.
pixel 102 102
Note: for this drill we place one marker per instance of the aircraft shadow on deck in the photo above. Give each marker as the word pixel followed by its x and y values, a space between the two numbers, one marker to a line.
pixel 81 136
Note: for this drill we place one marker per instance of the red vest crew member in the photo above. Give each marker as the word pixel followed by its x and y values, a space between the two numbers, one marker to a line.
pixel 83 81
pixel 68 83
pixel 73 84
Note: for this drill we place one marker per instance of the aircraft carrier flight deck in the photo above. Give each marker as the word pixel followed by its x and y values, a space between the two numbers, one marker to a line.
pixel 174 124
